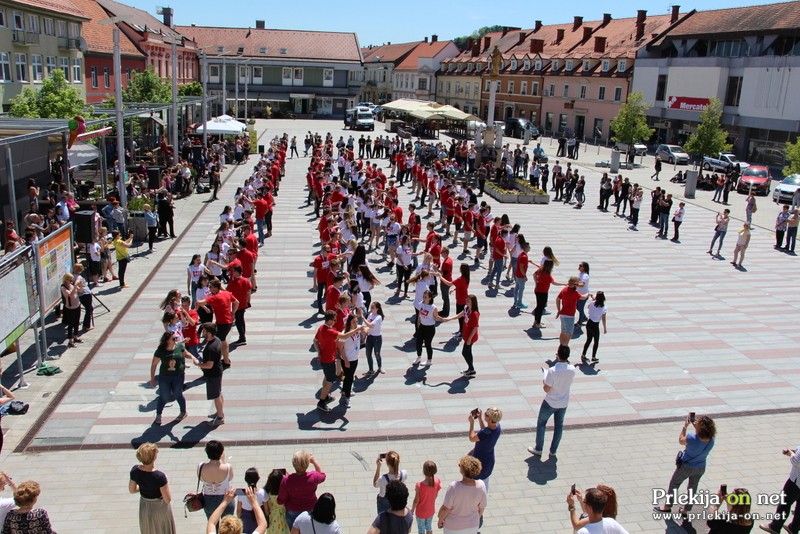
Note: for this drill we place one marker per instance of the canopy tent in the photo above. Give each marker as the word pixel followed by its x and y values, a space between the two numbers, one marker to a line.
pixel 81 154
pixel 425 110
pixel 456 114
pixel 425 114
pixel 223 125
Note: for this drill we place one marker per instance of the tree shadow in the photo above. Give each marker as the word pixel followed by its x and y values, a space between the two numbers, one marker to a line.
pixel 539 472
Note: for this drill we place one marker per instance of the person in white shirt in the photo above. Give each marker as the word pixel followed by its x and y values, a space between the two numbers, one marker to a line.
pixel 6 504
pixel 677 219
pixel 556 383
pixel 593 504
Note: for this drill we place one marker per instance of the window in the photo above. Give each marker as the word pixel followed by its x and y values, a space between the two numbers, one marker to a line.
pixel 298 76
pixel 552 91
pixel 535 89
pixel 513 63
pixel 622 65
pixel 618 94
pixel 257 75
pixel 19 22
pixel 50 64
pixel 467 88
pixel 488 86
pixel 283 51
pixel 601 93
pixel 734 48
pixel 458 87
pixel 538 64
pixel 477 89
pixel 583 92
pixel 327 77
pixel 61 28
pixel 93 74
pixel 33 23
pixel 606 65
pixel 286 75
pixel 262 50
pixel 562 122
pixel 127 76
pixel 511 88
pixel 106 78
pixel 74 30
pixel 243 73
pixel 49 26
pixel 661 87
pixel 566 91
pixel 38 68
pixel 597 132
pixel 213 73
pixel 422 84
pixel 569 65
pixel 586 65
pixel 76 70
pixel 548 121
pixel 64 62
pixel 2 17
pixel 734 91
pixel 555 65
pixel 5 67
pixel 523 89
pixel 22 67
pixel 533 118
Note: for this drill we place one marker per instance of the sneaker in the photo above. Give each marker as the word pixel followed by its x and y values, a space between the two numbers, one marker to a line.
pixel 347 402
pixel 381 371
pixel 321 406
pixel 157 421
pixel 225 366
pixel 182 416
pixel 522 305
pixel 534 451
pixel 595 359
pixel 416 362
pixel 329 399
pixel 766 528
pixel 241 341
pixel 217 421
pixel 428 363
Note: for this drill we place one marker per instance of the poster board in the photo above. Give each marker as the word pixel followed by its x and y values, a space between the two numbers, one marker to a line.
pixel 20 301
pixel 54 260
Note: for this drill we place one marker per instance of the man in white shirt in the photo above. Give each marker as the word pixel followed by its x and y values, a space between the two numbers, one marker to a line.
pixel 593 503
pixel 556 383
pixel 791 493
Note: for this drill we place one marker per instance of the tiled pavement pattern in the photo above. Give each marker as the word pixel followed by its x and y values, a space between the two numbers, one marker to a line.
pixel 685 332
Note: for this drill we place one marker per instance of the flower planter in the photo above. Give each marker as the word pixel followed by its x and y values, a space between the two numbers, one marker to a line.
pixel 541 199
pixel 526 198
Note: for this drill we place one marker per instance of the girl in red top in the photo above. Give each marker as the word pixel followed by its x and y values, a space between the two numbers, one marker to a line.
pixel 189 319
pixel 521 273
pixel 461 285
pixel 543 279
pixel 469 332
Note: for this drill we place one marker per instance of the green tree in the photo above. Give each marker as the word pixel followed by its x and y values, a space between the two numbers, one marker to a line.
pixel 56 99
pixel 710 138
pixel 148 87
pixel 630 124
pixel 792 158
pixel 461 42
pixel 190 89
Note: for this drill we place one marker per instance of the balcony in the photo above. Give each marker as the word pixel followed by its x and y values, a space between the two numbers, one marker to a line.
pixel 21 37
pixel 68 43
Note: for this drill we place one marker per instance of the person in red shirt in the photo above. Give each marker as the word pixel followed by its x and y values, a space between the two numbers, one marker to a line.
pixel 521 274
pixel 189 319
pixel 333 292
pixel 567 305
pixel 240 287
pixel 342 310
pixel 461 287
pixel 310 184
pixel 543 279
pixel 499 253
pixel 321 264
pixel 325 344
pixel 469 222
pixel 250 240
pixel 261 207
pixel 247 260
pixel 469 332
pixel 224 305
pixel 446 272
pixel 436 250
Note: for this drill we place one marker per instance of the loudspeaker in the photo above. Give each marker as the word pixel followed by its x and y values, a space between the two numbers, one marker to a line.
pixel 154 177
pixel 84 227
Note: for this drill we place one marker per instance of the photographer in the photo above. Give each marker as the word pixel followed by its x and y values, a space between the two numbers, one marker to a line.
pixel 123 255
pixel 791 492
pixel 737 521
pixel 485 439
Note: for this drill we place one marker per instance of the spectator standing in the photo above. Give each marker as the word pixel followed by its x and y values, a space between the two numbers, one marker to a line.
pixel 26 519
pixel 594 503
pixel 610 509
pixel 230 524
pixel 556 384
pixel 381 481
pixel 72 308
pixel 216 475
pixel 781 223
pixel 677 220
pixel 321 520
pixel 6 397
pixel 212 372
pixel 485 440
pixel 155 512
pixel 791 231
pixel 750 207
pixel 298 491
pixel 791 491
pixel 6 503
pixel 151 219
pixel 123 255
pixel 720 229
pixel 398 518
pixel 742 242
pixel 244 510
pixel 85 297
pixel 425 498
pixel 738 515
pixel 276 513
pixel 464 501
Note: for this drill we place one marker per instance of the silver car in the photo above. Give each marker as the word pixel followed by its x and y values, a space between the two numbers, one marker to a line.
pixel 785 190
pixel 672 154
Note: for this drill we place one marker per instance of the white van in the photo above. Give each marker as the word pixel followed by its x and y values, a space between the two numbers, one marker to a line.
pixel 360 118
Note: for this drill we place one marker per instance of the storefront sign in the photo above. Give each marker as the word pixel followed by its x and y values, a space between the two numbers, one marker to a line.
pixel 687 103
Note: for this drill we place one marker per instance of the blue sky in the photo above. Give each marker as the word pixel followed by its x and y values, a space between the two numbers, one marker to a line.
pixel 410 20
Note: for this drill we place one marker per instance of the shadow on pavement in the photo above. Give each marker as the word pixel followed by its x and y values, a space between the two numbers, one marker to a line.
pixel 308 420
pixel 540 472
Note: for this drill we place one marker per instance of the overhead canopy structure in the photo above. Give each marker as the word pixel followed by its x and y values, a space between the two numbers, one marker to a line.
pixel 223 125
pixel 82 153
pixel 422 109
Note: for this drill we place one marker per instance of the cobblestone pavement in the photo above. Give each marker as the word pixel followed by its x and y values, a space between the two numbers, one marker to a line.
pixel 686 332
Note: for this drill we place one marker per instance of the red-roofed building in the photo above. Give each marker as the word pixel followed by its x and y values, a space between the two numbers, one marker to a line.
pixel 305 72
pixel 415 76
pixel 99 54
pixel 378 73
pixel 37 37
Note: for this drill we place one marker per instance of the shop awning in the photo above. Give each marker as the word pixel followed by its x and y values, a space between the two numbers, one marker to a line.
pixel 301 96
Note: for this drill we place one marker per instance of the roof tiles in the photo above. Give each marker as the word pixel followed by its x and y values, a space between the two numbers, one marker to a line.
pixel 423 50
pixel 100 37
pixel 65 7
pixel 769 18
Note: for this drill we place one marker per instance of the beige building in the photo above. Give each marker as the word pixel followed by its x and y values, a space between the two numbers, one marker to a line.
pixel 415 76
pixel 378 73
pixel 37 37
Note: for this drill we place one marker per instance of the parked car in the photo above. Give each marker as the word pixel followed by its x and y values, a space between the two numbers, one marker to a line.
pixel 722 161
pixel 756 177
pixel 672 154
pixel 639 149
pixel 785 190
pixel 515 127
pixel 369 105
pixel 359 118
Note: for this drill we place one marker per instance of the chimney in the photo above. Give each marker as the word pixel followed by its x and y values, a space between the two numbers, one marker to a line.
pixel 167 14
pixel 587 33
pixel 606 18
pixel 537 46
pixel 486 42
pixel 577 23
pixel 521 37
pixel 505 31
pixel 425 40
pixel 434 38
pixel 537 25
pixel 260 25
pixel 641 16
pixel 476 48
pixel 559 35
pixel 675 13
pixel 640 30
pixel 470 42
pixel 599 44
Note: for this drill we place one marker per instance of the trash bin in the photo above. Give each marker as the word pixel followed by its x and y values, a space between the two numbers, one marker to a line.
pixel 261 149
pixel 615 156
pixel 691 184
pixel 138 225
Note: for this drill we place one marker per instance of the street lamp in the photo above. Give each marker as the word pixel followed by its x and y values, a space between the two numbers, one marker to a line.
pixel 118 110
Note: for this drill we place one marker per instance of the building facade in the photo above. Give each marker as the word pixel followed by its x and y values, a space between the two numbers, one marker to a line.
pixel 415 76
pixel 746 57
pixel 37 37
pixel 378 73
pixel 306 73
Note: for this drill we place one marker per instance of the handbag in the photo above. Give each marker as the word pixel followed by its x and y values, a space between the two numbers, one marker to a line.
pixel 679 461
pixel 194 502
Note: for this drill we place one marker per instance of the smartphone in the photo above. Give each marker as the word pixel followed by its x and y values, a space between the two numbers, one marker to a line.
pixel 572 490
pixel 475 412
pixel 282 471
pixel 723 489
pixel 691 417
pixel 383 456
pixel 239 491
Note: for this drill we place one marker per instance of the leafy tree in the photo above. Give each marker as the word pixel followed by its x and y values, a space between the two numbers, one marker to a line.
pixel 461 42
pixel 792 158
pixel 710 138
pixel 191 89
pixel 148 87
pixel 56 99
pixel 630 124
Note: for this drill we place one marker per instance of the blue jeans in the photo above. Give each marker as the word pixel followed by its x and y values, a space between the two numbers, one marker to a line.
pixel 290 517
pixel 260 227
pixel 213 501
pixel 497 271
pixel 663 224
pixel 545 411
pixel 170 387
pixel 374 343
pixel 519 289
pixel 718 234
pixel 581 313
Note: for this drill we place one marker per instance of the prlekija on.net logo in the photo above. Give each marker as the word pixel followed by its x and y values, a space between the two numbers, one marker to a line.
pixel 707 505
